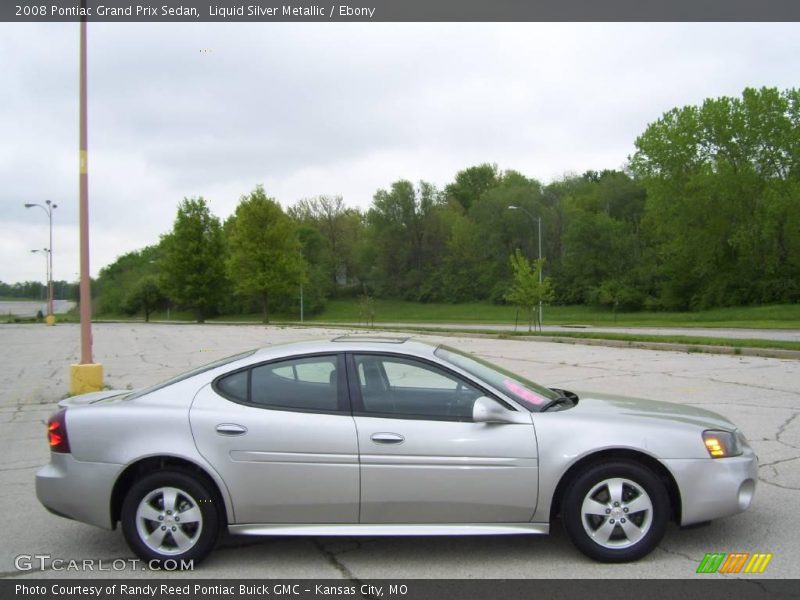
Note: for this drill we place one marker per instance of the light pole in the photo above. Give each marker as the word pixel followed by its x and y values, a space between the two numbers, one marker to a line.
pixel 538 219
pixel 46 253
pixel 86 375
pixel 48 207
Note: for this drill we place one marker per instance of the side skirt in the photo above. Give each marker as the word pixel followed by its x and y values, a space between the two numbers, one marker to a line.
pixel 393 529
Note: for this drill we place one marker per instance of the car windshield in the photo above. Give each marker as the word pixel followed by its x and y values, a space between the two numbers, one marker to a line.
pixel 531 395
pixel 217 363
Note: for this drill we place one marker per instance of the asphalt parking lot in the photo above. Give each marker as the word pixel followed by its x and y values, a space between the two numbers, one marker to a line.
pixel 761 395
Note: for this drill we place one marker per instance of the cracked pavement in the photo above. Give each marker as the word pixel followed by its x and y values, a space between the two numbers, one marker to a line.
pixel 760 395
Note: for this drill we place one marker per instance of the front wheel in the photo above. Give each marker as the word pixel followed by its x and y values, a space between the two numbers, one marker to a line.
pixel 170 515
pixel 616 512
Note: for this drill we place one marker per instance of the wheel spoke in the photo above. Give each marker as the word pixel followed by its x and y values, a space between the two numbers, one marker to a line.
pixel 156 538
pixel 183 541
pixel 633 533
pixel 170 498
pixel 603 533
pixel 593 507
pixel 147 512
pixel 639 504
pixel 190 515
pixel 615 490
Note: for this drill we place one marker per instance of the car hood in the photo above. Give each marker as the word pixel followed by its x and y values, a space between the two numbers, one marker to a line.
pixel 92 398
pixel 604 405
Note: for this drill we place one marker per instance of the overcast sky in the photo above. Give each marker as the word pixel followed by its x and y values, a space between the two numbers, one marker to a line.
pixel 180 110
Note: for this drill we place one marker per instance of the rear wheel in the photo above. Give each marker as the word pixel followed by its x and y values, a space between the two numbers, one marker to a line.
pixel 616 512
pixel 170 515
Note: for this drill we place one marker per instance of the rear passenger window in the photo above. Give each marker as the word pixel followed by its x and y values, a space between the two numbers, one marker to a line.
pixel 302 383
pixel 234 386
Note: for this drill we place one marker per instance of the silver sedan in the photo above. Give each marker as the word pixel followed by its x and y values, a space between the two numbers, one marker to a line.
pixel 385 436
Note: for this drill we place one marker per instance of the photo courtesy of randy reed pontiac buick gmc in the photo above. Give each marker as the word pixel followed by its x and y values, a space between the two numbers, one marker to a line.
pixel 386 436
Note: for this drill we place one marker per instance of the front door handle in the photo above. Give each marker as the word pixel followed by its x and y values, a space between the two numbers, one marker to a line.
pixel 231 429
pixel 387 438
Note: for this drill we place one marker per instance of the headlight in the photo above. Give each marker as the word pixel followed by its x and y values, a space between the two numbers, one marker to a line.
pixel 721 444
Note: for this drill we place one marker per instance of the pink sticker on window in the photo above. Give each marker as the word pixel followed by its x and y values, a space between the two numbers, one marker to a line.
pixel 523 392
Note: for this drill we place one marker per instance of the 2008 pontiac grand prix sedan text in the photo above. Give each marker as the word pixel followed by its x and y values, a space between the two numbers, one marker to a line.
pixel 385 436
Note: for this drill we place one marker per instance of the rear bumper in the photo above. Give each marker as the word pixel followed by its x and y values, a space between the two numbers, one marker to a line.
pixel 77 490
pixel 714 488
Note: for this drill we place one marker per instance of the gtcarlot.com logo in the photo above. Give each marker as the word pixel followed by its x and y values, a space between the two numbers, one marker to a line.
pixel 736 562
pixel 45 562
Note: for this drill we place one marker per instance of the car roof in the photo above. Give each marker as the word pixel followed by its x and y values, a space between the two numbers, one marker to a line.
pixel 352 343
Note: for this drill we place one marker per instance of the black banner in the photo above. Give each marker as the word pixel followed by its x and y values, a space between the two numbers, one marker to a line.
pixel 411 589
pixel 399 10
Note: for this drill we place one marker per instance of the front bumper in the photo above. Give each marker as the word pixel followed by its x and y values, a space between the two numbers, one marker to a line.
pixel 714 488
pixel 77 490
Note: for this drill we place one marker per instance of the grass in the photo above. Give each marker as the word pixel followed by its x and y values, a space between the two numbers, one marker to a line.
pixel 781 316
pixel 689 340
pixel 15 299
pixel 446 318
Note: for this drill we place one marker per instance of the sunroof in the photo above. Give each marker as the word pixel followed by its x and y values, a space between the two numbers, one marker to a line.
pixel 380 339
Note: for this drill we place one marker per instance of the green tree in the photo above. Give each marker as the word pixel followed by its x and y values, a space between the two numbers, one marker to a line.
pixel 405 239
pixel 501 230
pixel 264 253
pixel 597 248
pixel 366 309
pixel 723 183
pixel 616 294
pixel 193 262
pixel 339 226
pixel 526 292
pixel 466 272
pixel 117 280
pixel 146 295
pixel 471 184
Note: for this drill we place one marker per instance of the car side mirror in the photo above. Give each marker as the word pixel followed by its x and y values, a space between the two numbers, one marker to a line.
pixel 486 410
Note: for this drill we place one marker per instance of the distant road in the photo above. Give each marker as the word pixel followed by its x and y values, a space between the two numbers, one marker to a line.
pixel 791 335
pixel 29 308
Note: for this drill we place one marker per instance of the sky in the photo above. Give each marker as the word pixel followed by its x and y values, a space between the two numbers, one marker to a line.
pixel 306 109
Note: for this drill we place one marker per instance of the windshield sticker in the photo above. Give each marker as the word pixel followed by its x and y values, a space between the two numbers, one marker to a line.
pixel 523 392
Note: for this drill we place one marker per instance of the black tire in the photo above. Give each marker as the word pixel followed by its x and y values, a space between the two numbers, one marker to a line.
pixel 189 540
pixel 606 531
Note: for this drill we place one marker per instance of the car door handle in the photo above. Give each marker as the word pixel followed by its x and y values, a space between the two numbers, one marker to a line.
pixel 387 438
pixel 231 429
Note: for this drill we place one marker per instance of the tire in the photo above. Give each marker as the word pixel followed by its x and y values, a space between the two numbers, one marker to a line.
pixel 171 515
pixel 616 511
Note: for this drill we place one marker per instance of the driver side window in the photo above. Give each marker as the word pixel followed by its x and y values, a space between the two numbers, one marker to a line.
pixel 401 387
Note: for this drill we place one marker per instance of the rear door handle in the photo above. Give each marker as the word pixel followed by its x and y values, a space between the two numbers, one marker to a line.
pixel 387 438
pixel 231 429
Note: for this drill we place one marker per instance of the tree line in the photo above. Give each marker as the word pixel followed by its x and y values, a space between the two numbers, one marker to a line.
pixel 706 213
pixel 37 290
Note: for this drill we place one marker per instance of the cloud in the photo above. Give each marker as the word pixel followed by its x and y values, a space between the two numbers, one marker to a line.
pixel 319 108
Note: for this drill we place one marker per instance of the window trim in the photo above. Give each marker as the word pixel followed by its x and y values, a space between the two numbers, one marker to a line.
pixel 342 397
pixel 357 401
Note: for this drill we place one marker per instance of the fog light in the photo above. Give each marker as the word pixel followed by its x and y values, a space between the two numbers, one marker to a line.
pixel 746 491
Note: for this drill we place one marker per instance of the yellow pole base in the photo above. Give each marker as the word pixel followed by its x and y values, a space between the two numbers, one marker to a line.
pixel 85 378
pixel 50 319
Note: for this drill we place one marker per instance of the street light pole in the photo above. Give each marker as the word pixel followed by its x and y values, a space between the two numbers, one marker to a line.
pixel 85 376
pixel 538 219
pixel 83 176
pixel 48 209
pixel 47 267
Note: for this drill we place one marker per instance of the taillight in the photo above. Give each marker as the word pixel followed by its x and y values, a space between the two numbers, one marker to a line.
pixel 57 432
